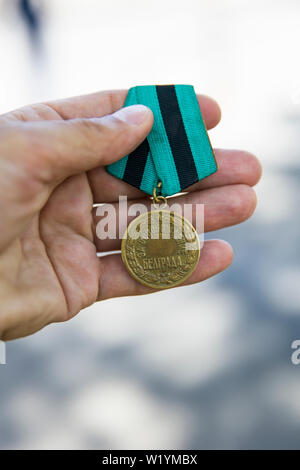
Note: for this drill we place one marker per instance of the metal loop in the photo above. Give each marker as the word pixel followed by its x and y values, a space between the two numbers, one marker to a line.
pixel 158 198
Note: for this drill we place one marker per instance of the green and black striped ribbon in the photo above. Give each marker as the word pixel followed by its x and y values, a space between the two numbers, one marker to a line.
pixel 177 151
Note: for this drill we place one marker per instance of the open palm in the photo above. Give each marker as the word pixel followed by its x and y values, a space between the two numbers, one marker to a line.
pixel 52 172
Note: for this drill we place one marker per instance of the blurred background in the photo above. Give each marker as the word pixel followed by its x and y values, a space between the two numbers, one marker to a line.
pixel 201 367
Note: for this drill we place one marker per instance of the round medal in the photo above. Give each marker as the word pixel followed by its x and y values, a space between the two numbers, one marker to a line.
pixel 160 249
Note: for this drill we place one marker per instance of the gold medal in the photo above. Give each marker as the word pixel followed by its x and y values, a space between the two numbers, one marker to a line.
pixel 160 248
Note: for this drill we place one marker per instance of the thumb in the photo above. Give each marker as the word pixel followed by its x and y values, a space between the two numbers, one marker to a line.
pixel 77 145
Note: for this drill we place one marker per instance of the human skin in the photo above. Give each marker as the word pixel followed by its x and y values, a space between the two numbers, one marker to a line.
pixel 52 171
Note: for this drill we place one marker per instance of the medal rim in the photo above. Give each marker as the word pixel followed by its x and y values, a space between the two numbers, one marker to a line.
pixel 131 272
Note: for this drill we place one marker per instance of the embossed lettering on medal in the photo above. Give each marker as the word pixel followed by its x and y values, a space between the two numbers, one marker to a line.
pixel 160 249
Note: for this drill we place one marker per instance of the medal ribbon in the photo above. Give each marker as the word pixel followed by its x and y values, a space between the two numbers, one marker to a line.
pixel 177 151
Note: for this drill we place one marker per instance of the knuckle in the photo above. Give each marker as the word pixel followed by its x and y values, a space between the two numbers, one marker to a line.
pixel 87 127
pixel 123 135
pixel 255 169
pixel 104 136
pixel 251 166
pixel 35 156
pixel 89 134
pixel 244 202
pixel 21 165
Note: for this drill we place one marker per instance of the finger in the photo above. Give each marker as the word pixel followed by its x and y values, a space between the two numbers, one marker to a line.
pixel 234 167
pixel 65 148
pixel 88 106
pixel 223 207
pixel 107 102
pixel 115 281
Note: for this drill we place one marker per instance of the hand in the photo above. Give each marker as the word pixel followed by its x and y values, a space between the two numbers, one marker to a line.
pixel 52 170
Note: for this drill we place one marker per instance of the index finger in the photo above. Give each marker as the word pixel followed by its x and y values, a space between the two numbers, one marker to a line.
pixel 107 102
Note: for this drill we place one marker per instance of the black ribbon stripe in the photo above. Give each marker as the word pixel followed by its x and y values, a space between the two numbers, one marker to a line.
pixel 179 144
pixel 135 165
pixel 182 154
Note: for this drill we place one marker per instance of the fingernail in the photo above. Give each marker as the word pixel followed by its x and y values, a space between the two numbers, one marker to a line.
pixel 135 114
